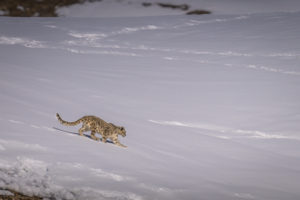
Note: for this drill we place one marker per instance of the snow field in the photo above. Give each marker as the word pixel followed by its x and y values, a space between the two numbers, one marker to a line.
pixel 210 106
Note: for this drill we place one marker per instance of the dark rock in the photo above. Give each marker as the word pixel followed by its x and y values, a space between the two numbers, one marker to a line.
pixel 198 12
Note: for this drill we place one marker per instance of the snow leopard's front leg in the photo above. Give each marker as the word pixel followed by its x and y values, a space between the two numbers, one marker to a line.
pixel 117 142
pixel 103 139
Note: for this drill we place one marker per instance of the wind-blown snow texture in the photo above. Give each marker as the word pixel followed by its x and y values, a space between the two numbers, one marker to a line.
pixel 210 104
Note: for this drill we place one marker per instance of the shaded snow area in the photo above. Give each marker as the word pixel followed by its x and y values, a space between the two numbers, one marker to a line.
pixel 210 105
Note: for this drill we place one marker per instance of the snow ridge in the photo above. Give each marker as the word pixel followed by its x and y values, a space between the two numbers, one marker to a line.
pixel 226 131
pixel 11 144
pixel 21 41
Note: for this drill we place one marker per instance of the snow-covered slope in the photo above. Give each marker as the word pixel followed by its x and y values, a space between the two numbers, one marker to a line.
pixel 117 8
pixel 210 104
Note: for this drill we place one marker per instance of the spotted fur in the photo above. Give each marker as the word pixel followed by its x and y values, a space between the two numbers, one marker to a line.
pixel 97 125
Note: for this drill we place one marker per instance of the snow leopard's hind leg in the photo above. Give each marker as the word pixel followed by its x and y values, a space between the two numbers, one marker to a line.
pixel 93 135
pixel 84 128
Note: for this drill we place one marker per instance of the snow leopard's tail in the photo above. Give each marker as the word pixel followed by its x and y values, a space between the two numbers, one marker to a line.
pixel 68 123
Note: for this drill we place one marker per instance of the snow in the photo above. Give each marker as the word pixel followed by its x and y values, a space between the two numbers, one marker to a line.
pixel 6 193
pixel 126 8
pixel 210 105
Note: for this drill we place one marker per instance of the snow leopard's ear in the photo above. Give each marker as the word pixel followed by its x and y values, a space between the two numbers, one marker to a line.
pixel 122 128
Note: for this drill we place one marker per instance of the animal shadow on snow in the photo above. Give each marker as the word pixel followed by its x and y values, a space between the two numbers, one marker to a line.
pixel 74 133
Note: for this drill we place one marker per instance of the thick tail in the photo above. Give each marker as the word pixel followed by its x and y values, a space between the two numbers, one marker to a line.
pixel 67 123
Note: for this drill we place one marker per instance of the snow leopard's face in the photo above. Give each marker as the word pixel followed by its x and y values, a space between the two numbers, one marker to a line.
pixel 122 131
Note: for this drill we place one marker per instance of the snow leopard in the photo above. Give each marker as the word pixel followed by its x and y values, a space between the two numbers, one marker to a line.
pixel 97 125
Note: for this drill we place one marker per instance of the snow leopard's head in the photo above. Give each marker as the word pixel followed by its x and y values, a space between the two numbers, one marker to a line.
pixel 120 130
